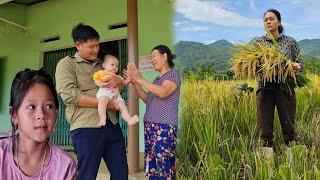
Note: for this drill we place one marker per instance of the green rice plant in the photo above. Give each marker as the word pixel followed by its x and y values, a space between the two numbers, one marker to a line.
pixel 219 134
pixel 286 172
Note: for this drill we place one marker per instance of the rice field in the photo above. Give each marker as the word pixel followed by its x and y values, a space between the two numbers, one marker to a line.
pixel 219 135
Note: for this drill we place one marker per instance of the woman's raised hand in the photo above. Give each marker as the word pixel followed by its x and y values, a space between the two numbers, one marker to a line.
pixel 133 72
pixel 127 78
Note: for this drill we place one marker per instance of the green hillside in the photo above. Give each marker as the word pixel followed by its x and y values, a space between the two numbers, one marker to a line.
pixel 218 54
pixel 310 47
pixel 191 54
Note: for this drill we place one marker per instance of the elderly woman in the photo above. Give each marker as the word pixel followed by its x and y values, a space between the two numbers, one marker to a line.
pixel 161 117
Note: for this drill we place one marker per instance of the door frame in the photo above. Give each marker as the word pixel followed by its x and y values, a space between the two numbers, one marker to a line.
pixel 123 125
pixel 41 55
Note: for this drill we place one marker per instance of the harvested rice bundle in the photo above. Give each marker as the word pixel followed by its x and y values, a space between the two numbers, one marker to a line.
pixel 250 59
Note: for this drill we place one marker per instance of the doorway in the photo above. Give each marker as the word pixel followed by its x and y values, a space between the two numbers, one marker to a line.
pixel 117 48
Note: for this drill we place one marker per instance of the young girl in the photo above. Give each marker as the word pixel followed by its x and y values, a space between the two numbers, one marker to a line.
pixel 28 154
pixel 105 95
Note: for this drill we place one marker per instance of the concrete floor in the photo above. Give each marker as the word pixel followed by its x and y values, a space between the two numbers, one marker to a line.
pixel 103 173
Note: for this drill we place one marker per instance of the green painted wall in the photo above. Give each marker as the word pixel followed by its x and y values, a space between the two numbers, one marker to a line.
pixel 14 12
pixel 22 48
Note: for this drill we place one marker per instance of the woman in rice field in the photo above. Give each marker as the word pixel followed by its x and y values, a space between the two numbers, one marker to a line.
pixel 161 117
pixel 273 94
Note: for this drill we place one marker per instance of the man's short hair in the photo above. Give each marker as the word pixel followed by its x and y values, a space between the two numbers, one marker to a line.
pixel 82 33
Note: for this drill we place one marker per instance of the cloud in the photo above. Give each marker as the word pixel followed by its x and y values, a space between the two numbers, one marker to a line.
pixel 213 12
pixel 209 41
pixel 300 26
pixel 296 1
pixel 194 28
pixel 252 5
pixel 179 23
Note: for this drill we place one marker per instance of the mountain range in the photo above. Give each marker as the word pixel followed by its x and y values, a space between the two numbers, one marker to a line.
pixel 191 54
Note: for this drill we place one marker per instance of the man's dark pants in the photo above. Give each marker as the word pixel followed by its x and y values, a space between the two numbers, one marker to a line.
pixel 92 144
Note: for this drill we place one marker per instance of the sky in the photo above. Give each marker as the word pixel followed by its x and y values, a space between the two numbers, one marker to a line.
pixel 207 21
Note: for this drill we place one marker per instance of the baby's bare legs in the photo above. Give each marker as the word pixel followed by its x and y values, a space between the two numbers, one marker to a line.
pixel 102 108
pixel 125 114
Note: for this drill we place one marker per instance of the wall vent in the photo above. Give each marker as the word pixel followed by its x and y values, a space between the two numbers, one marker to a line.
pixel 50 39
pixel 117 26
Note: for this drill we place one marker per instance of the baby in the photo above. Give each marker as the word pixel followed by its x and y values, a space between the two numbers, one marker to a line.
pixel 105 95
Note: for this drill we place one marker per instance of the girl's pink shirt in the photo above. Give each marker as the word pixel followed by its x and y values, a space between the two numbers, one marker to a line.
pixel 60 166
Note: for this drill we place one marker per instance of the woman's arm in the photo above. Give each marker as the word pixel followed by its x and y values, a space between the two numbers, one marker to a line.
pixel 140 91
pixel 162 91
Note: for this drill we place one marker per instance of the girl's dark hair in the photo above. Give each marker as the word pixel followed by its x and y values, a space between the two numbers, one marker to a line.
pixel 278 15
pixel 164 49
pixel 82 33
pixel 22 83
